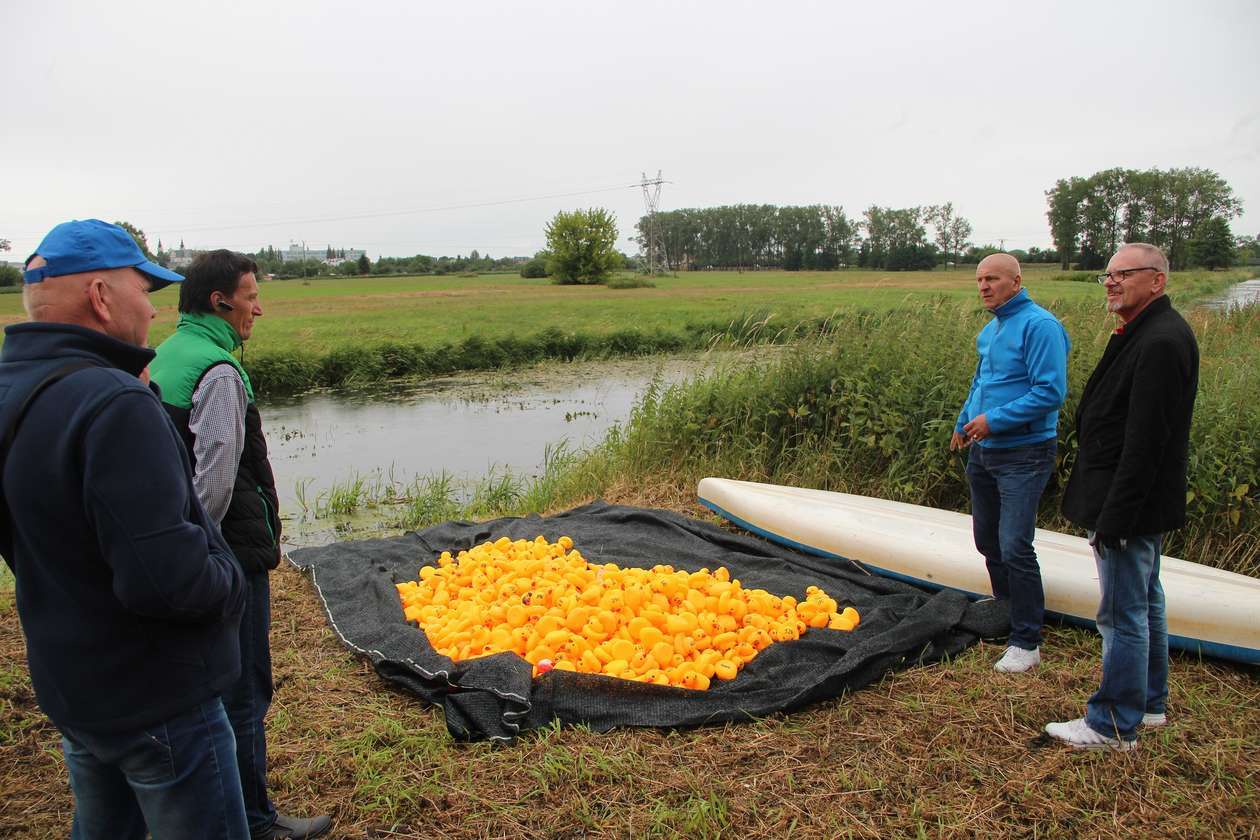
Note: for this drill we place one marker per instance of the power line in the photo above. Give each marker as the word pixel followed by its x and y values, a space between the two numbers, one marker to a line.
pixel 651 201
pixel 388 213
pixel 168 229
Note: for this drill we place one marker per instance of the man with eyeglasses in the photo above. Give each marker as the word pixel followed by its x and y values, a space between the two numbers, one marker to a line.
pixel 1010 422
pixel 1128 487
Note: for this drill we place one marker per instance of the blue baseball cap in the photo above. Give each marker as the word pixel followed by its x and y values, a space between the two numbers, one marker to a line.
pixel 92 245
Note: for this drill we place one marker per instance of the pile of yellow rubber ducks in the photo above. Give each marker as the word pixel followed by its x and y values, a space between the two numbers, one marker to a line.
pixel 547 603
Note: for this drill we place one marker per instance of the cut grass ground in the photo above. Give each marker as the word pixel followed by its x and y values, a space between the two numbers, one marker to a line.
pixel 951 750
pixel 329 313
pixel 349 331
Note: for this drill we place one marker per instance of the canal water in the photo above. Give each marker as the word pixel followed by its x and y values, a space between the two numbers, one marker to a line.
pixel 1242 295
pixel 466 426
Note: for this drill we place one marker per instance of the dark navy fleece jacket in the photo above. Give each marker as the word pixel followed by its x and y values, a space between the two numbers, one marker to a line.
pixel 128 596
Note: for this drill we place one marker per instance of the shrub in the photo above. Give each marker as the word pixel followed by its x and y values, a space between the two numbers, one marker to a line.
pixel 535 268
pixel 868 407
pixel 630 281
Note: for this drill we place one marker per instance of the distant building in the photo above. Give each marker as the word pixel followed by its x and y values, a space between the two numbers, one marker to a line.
pixel 182 257
pixel 328 256
pixel 178 258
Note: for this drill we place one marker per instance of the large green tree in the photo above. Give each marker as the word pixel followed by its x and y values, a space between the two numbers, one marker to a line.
pixel 9 276
pixel 816 236
pixel 1091 217
pixel 896 239
pixel 1213 244
pixel 138 235
pixel 581 246
pixel 952 232
pixel 1248 249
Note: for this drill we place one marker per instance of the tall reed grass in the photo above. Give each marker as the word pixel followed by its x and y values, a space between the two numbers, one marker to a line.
pixel 286 372
pixel 864 402
pixel 868 408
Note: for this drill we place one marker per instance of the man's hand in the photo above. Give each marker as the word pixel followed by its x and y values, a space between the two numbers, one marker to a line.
pixel 977 429
pixel 957 441
pixel 1108 541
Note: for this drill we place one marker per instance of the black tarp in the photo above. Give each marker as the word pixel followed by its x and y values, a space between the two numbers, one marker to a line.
pixel 496 697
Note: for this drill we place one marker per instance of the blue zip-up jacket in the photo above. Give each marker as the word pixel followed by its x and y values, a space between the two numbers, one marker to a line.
pixel 1021 379
pixel 129 597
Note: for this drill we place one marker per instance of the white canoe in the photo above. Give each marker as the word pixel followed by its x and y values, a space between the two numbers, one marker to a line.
pixel 1210 611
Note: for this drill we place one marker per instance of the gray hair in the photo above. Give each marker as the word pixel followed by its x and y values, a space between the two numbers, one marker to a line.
pixel 1153 254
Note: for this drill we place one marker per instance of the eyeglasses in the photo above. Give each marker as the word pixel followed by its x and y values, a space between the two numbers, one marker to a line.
pixel 1123 274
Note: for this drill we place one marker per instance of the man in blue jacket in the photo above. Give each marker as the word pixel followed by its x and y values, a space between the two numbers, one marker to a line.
pixel 127 594
pixel 1010 422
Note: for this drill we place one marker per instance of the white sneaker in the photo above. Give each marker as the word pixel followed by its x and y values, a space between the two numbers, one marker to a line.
pixel 1016 660
pixel 1079 736
pixel 1154 719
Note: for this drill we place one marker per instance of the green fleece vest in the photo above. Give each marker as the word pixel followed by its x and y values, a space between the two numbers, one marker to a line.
pixel 200 341
pixel 251 525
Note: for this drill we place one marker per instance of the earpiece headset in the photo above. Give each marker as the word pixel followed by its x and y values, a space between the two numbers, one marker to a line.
pixel 224 305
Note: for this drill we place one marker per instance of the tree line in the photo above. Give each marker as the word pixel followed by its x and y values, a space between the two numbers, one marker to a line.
pixel 811 237
pixel 271 262
pixel 1183 211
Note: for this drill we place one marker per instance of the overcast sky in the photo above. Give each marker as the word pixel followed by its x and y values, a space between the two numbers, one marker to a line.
pixel 382 125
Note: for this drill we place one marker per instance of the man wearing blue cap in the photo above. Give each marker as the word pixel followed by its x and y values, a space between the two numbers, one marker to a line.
pixel 128 596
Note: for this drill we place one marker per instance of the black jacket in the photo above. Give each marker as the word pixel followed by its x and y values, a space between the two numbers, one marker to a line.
pixel 1133 429
pixel 251 524
pixel 129 598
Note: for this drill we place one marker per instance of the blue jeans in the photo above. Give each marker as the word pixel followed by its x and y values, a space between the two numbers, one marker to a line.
pixel 1006 487
pixel 249 699
pixel 1134 630
pixel 176 779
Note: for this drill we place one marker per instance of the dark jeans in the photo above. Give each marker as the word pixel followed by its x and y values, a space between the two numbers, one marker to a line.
pixel 247 702
pixel 1134 630
pixel 176 779
pixel 1006 487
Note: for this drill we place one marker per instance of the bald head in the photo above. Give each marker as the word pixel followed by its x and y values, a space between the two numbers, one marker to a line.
pixel 1003 264
pixel 1150 254
pixel 113 301
pixel 998 279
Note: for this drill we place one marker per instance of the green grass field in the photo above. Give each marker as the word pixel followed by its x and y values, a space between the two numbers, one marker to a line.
pixel 338 331
pixel 314 316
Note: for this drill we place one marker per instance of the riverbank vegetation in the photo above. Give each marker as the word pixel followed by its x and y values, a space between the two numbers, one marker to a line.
pixel 337 331
pixel 864 403
pixel 868 407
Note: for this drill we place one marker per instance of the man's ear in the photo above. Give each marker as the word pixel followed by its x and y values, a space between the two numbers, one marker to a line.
pixel 99 299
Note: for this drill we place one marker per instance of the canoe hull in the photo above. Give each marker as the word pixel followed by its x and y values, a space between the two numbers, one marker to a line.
pixel 1210 611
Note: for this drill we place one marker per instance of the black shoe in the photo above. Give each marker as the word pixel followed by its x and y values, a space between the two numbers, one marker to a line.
pixel 296 828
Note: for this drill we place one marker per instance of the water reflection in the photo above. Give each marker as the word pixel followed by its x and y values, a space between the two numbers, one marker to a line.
pixel 466 425
pixel 1244 294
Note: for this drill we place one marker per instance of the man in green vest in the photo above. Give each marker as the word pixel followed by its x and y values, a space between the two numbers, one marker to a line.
pixel 208 394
